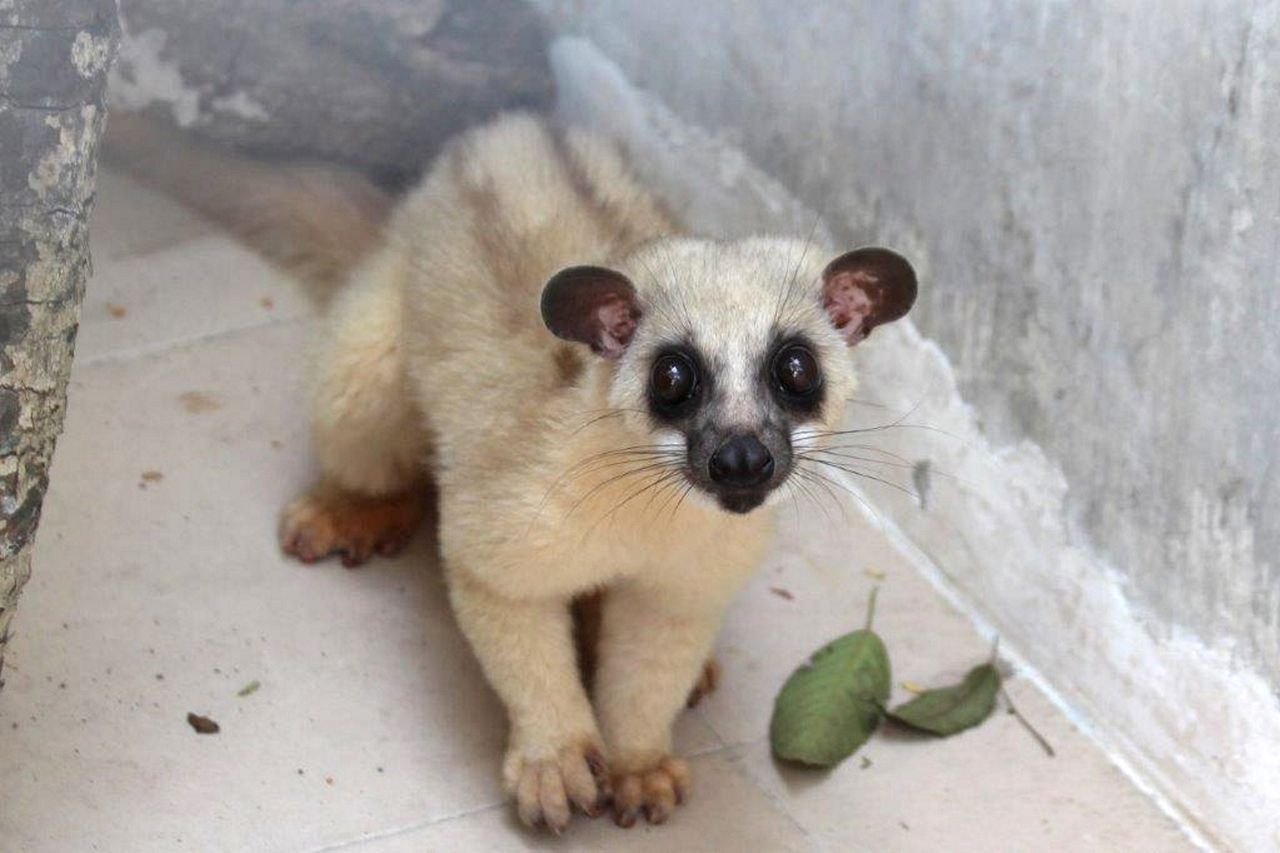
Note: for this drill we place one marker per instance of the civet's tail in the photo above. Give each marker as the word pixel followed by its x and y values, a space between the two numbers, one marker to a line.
pixel 314 221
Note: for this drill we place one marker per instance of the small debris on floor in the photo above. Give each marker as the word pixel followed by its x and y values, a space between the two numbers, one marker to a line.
pixel 202 725
pixel 159 676
pixel 276 444
pixel 249 689
pixel 152 476
pixel 117 311
pixel 198 401
pixel 782 593
pixel 866 762
pixel 1026 724
pixel 912 687
pixel 874 574
pixel 268 303
pixel 328 780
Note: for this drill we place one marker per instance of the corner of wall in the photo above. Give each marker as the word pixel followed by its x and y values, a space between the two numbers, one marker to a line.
pixel 995 533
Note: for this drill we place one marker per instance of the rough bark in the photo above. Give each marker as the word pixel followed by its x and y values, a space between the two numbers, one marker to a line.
pixel 374 86
pixel 54 56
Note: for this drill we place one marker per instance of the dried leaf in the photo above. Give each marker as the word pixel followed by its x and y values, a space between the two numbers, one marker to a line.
pixel 948 710
pixel 203 725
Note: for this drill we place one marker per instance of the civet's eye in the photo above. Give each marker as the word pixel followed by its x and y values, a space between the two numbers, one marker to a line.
pixel 796 372
pixel 674 380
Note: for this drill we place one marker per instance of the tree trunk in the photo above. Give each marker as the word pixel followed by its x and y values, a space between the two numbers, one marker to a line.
pixel 54 56
pixel 376 86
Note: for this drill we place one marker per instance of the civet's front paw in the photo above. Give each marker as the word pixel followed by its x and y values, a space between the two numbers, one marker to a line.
pixel 548 783
pixel 327 522
pixel 654 791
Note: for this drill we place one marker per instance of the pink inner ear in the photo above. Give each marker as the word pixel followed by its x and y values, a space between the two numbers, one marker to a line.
pixel 617 325
pixel 849 303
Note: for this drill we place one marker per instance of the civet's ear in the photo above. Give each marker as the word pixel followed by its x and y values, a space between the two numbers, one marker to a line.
pixel 867 287
pixel 592 305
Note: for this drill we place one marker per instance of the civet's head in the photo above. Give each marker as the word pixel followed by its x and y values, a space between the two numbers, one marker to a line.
pixel 732 353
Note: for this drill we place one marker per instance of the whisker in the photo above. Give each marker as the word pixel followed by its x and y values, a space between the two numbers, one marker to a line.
pixel 863 430
pixel 610 481
pixel 784 296
pixel 603 484
pixel 657 481
pixel 676 509
pixel 629 454
pixel 839 454
pixel 637 453
pixel 870 404
pixel 647 462
pixel 867 476
pixel 668 500
pixel 842 487
pixel 870 448
pixel 905 464
pixel 805 482
pixel 612 413
pixel 639 450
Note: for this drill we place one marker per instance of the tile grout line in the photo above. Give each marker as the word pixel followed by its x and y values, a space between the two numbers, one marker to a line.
pixel 425 824
pixel 777 802
pixel 405 829
pixel 107 257
pixel 728 750
pixel 145 351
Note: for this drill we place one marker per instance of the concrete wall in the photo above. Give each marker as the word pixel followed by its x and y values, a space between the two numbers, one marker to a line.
pixel 1092 193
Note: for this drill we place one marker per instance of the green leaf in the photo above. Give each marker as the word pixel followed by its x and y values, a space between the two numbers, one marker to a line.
pixel 831 705
pixel 948 710
pixel 251 687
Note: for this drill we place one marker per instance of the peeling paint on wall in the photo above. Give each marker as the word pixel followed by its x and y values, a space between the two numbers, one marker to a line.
pixel 377 87
pixel 145 76
pixel 241 104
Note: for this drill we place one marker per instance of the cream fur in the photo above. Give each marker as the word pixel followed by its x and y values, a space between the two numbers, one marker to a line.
pixel 435 361
pixel 449 311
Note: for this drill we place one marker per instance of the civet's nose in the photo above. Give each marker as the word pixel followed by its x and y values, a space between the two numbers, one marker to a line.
pixel 742 461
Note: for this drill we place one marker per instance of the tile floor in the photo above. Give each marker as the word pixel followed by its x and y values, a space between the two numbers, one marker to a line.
pixel 158 590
